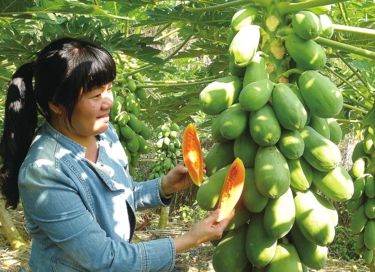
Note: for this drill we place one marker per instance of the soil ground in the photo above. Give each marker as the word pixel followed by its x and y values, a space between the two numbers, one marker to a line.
pixel 198 259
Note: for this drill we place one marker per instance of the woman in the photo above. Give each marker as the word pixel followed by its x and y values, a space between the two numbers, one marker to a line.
pixel 72 173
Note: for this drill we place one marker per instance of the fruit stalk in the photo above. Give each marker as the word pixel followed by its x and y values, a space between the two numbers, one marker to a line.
pixel 285 7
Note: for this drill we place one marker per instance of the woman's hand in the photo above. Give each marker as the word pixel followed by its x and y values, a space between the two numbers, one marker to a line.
pixel 205 230
pixel 176 180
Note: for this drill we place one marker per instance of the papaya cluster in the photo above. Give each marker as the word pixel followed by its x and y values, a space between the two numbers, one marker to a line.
pixel 362 203
pixel 126 118
pixel 287 137
pixel 168 149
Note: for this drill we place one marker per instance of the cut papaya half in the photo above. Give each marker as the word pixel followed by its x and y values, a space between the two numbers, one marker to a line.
pixel 232 189
pixel 192 154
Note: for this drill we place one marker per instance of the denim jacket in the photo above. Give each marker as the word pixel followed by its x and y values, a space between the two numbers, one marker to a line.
pixel 81 215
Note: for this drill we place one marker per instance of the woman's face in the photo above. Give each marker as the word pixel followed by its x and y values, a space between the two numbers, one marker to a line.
pixel 91 113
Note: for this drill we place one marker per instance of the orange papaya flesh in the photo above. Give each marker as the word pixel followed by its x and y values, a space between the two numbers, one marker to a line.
pixel 232 189
pixel 192 154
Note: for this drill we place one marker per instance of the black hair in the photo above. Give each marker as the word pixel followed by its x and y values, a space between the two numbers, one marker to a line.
pixel 61 71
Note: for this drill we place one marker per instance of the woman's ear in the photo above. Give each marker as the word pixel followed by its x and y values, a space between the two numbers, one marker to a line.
pixel 55 108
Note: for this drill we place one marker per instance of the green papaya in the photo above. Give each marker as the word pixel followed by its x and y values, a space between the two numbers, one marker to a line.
pixel 289 110
pixel 229 254
pixel 370 186
pixel 359 187
pixel 358 151
pixel 279 215
pixel 358 220
pixel 256 94
pixel 335 132
pixel 369 235
pixel 245 148
pixel 306 25
pixel 252 199
pixel 243 17
pixel 358 167
pixel 244 45
pixel 264 127
pixel 319 152
pixel 336 184
pixel 260 247
pixel 370 208
pixel 291 144
pixel 327 26
pixel 300 174
pixel 235 70
pixel 307 54
pixel 220 155
pixel 354 204
pixel 272 176
pixel 215 130
pixel 233 122
pixel 311 255
pixel 241 216
pixel 286 259
pixel 368 255
pixel 320 125
pixel 312 218
pixel 127 132
pixel 135 123
pixel 220 94
pixel 209 192
pixel 256 70
pixel 320 94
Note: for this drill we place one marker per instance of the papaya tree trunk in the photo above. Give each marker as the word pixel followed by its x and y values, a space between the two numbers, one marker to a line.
pixel 9 230
pixel 372 265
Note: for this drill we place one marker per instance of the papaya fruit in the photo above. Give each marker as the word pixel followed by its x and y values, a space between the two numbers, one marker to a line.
pixel 291 144
pixel 370 208
pixel 135 123
pixel 215 130
pixel 279 215
pixel 285 259
pixel 370 186
pixel 232 189
pixel 220 155
pixel 307 54
pixel 243 17
pixel 260 247
pixel 208 193
pixel 289 110
pixel 244 45
pixel 311 255
pixel 336 184
pixel 233 122
pixel 220 94
pixel 320 125
pixel 256 94
pixel 264 126
pixel 354 204
pixel 358 151
pixel 358 220
pixel 335 132
pixel 368 255
pixel 320 94
pixel 306 25
pixel 359 187
pixel 327 26
pixel 358 167
pixel 369 235
pixel 319 152
pixel 192 154
pixel 241 216
pixel 312 218
pixel 255 70
pixel 229 254
pixel 300 174
pixel 272 176
pixel 252 199
pixel 245 148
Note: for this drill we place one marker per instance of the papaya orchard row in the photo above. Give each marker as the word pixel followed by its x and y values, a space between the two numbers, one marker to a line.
pixel 276 112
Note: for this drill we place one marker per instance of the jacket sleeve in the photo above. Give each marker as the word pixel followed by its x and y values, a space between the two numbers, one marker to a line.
pixel 51 200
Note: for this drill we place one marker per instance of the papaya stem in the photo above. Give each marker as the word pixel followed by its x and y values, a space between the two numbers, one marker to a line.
pixel 228 5
pixel 291 72
pixel 346 81
pixel 285 7
pixel 167 34
pixel 356 72
pixel 354 108
pixel 354 29
pixel 345 47
pixel 348 121
pixel 162 29
pixel 176 83
pixel 4 78
pixel 146 66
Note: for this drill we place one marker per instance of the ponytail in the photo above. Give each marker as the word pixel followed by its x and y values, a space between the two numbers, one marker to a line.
pixel 20 121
